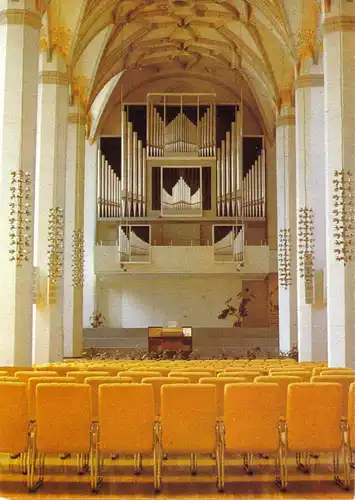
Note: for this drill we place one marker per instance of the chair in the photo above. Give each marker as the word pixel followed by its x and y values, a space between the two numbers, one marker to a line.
pixel 9 379
pixel 157 383
pixel 24 376
pixel 317 370
pixel 137 376
pixel 32 387
pixel 194 377
pixel 319 405
pixel 249 376
pixel 14 421
pixel 220 383
pixel 164 372
pixel 63 425
pixel 252 414
pixel 351 423
pixel 11 370
pixel 126 426
pixel 304 375
pixel 283 382
pixel 345 381
pixel 188 424
pixel 95 382
pixel 80 376
pixel 334 371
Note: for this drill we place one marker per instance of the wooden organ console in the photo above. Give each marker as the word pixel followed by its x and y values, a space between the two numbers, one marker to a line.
pixel 170 339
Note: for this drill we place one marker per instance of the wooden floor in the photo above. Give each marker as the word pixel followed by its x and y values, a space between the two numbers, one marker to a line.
pixel 62 481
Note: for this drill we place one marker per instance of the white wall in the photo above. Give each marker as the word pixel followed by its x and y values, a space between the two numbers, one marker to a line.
pixel 142 301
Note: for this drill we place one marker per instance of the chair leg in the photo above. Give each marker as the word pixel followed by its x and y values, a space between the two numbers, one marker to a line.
pixel 304 465
pixel 138 464
pixel 220 457
pixel 34 483
pixel 281 458
pixel 193 464
pixel 157 457
pixel 82 463
pixel 248 462
pixel 95 461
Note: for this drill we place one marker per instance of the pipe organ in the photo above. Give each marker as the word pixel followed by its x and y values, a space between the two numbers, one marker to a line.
pixel 198 148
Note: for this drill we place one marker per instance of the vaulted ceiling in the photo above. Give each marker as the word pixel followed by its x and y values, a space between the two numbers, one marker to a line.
pixel 249 46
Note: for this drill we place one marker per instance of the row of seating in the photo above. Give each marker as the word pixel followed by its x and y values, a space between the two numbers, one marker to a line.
pixel 188 422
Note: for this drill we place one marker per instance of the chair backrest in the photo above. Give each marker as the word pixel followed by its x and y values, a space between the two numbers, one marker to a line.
pixel 188 418
pixel 94 383
pixel 32 387
pixel 303 374
pixel 126 418
pixel 157 383
pixel 4 373
pixel 314 417
pixel 249 376
pixel 137 375
pixel 283 382
pixel 13 417
pixel 9 379
pixel 220 383
pixel 25 376
pixel 11 370
pixel 63 416
pixel 194 377
pixel 317 370
pixel 344 371
pixel 251 417
pixel 81 375
pixel 351 416
pixel 344 380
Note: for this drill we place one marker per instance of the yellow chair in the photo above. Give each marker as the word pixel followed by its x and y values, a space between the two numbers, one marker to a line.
pixel 283 382
pixel 11 370
pixel 14 421
pixel 314 424
pixel 138 375
pixel 194 377
pixel 334 371
pixel 249 376
pixel 111 370
pixel 81 375
pixel 304 375
pixel 32 387
pixel 4 374
pixel 199 369
pixel 317 370
pixel 24 376
pixel 95 382
pixel 157 383
pixel 9 379
pixel 220 383
pixel 188 424
pixel 351 423
pixel 126 426
pixel 252 425
pixel 164 372
pixel 63 425
pixel 345 381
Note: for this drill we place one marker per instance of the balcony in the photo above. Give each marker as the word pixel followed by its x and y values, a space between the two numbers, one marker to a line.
pixel 182 260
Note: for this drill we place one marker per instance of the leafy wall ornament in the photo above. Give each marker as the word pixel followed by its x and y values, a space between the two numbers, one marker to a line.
pixel 240 310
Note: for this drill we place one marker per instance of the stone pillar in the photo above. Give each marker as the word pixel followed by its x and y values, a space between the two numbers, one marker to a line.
pixel 91 152
pixel 310 182
pixel 19 54
pixel 286 221
pixel 50 196
pixel 74 224
pixel 339 73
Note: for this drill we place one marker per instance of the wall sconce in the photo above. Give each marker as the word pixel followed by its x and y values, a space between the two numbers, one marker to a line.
pixel 78 258
pixel 306 243
pixel 20 217
pixel 343 216
pixel 285 258
pixel 55 243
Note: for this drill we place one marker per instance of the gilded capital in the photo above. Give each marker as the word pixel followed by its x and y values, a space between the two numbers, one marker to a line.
pixel 79 87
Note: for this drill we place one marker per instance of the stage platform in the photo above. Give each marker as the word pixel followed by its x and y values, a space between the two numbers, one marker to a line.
pixel 209 342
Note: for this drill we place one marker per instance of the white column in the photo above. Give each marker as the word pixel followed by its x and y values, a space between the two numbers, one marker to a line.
pixel 310 158
pixel 286 219
pixel 90 205
pixel 74 220
pixel 339 77
pixel 50 194
pixel 19 54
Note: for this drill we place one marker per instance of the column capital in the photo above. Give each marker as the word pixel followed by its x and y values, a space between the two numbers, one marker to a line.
pixel 76 115
pixel 307 81
pixel 79 87
pixel 333 24
pixel 53 78
pixel 20 17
